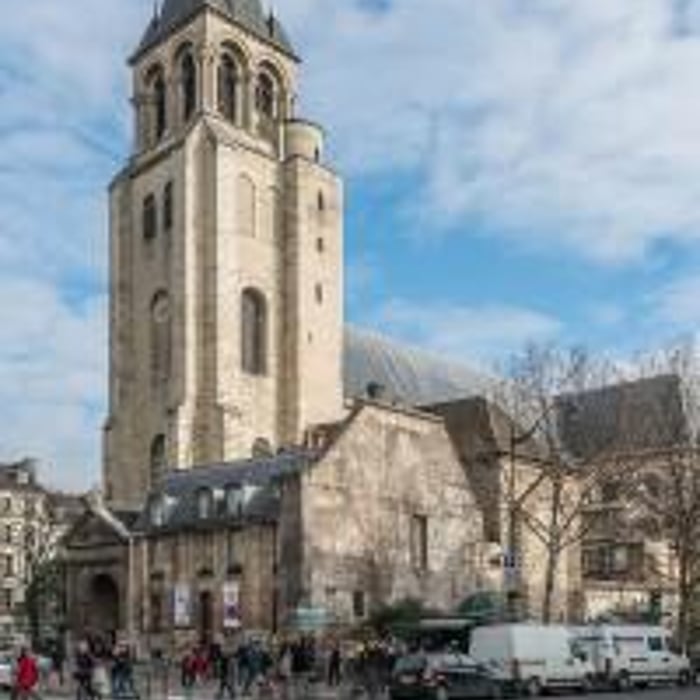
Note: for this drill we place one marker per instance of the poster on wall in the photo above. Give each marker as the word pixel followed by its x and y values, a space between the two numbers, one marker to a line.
pixel 182 605
pixel 232 606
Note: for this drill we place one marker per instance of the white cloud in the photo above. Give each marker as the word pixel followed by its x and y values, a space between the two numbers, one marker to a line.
pixel 52 379
pixel 469 334
pixel 553 122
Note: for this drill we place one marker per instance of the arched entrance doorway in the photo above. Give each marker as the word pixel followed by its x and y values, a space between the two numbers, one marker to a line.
pixel 103 610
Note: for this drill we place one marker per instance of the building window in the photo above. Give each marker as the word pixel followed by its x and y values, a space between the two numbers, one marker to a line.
pixel 265 96
pixel 419 542
pixel 7 504
pixel 320 245
pixel 160 338
pixel 157 459
pixel 234 501
pixel 30 538
pixel 157 512
pixel 321 202
pixel 319 294
pixel 160 106
pixel 6 599
pixel 228 88
pixel 149 218
pixel 156 612
pixel 168 207
pixel 205 504
pixel 8 534
pixel 188 77
pixel 620 560
pixel 253 332
pixel 358 604
pixel 9 565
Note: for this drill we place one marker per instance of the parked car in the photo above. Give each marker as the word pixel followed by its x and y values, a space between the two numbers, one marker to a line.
pixel 695 665
pixel 633 655
pixel 442 676
pixel 532 658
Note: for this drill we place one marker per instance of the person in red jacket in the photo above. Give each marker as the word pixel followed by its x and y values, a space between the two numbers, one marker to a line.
pixel 27 676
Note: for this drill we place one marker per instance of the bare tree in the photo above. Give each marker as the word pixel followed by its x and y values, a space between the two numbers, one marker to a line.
pixel 665 503
pixel 568 449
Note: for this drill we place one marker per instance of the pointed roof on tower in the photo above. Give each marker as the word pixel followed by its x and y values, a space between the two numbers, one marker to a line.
pixel 248 14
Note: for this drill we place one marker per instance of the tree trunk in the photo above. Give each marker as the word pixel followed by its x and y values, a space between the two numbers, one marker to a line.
pixel 552 553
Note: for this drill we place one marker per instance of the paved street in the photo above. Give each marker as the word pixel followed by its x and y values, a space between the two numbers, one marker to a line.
pixel 321 693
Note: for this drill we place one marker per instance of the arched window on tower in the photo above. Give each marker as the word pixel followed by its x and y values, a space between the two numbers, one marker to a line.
pixel 253 332
pixel 188 85
pixel 149 217
pixel 228 88
pixel 158 459
pixel 265 95
pixel 160 338
pixel 168 206
pixel 160 106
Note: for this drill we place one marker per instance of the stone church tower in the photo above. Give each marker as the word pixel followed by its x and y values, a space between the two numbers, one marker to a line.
pixel 226 250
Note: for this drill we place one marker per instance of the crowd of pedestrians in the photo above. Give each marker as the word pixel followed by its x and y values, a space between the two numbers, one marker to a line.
pixel 289 669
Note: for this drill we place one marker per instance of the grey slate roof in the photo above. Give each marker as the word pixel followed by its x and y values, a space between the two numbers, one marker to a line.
pixel 646 414
pixel 247 13
pixel 408 375
pixel 259 475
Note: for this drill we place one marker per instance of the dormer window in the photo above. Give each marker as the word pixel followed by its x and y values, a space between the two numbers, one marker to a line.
pixel 234 501
pixel 205 504
pixel 157 512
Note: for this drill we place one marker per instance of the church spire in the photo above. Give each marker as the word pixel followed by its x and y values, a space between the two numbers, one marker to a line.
pixel 248 14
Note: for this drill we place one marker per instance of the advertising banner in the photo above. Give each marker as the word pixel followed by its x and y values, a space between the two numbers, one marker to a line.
pixel 182 605
pixel 232 605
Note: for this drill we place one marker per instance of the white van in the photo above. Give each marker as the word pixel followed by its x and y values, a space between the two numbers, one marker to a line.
pixel 531 657
pixel 627 655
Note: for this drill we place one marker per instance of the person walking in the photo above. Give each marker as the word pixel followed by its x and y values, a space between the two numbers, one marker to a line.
pixel 188 672
pixel 27 676
pixel 334 665
pixel 228 675
pixel 123 674
pixel 84 666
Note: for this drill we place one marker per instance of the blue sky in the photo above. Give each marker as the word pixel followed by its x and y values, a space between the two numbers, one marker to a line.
pixel 517 170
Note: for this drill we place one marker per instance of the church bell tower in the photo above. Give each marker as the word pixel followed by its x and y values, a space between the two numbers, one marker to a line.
pixel 226 249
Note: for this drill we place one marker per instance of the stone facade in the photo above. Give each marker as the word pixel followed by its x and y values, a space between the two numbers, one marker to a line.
pixel 379 511
pixel 389 479
pixel 252 207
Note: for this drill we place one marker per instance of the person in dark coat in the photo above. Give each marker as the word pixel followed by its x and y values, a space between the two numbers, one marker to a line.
pixel 84 668
pixel 334 665
pixel 227 668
